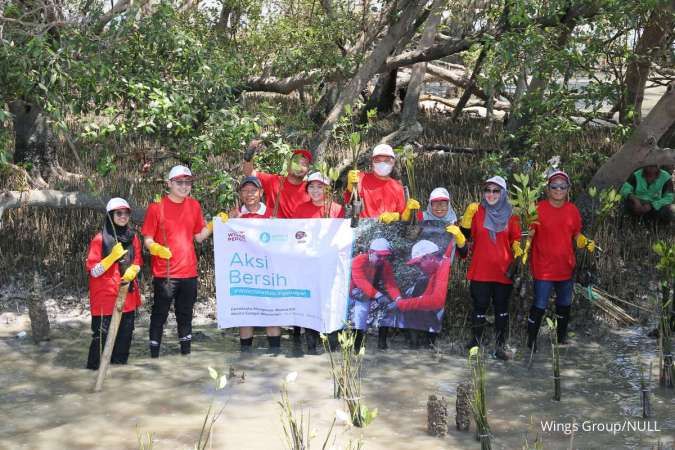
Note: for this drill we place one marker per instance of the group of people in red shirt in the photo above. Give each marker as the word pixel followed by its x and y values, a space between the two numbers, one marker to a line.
pixel 175 222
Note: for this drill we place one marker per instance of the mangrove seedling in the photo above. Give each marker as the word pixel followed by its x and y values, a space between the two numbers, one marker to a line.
pixel 666 268
pixel 478 401
pixel 555 355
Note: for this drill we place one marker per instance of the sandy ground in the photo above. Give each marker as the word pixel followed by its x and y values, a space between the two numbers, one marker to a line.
pixel 47 400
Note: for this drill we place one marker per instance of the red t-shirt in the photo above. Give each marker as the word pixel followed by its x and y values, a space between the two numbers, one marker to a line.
pixel 379 195
pixel 262 213
pixel 180 222
pixel 363 275
pixel 491 260
pixel 552 256
pixel 103 290
pixel 291 194
pixel 433 297
pixel 309 210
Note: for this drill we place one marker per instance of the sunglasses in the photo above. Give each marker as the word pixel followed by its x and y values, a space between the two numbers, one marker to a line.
pixel 492 191
pixel 119 213
pixel 183 182
pixel 559 187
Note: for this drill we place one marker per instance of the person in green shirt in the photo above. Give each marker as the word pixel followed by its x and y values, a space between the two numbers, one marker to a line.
pixel 649 193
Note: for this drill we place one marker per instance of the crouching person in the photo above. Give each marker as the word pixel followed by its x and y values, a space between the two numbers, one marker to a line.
pixel 114 256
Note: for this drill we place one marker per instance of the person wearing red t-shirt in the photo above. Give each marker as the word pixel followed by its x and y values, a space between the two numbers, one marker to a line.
pixel 495 232
pixel 252 207
pixel 170 227
pixel 282 194
pixel 382 197
pixel 317 207
pixel 552 260
pixel 372 274
pixel 114 258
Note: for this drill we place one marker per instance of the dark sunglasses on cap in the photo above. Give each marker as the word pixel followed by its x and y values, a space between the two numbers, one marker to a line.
pixel 183 182
pixel 492 191
pixel 559 186
pixel 122 213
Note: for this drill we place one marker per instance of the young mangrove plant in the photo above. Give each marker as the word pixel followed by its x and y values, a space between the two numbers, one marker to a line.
pixel 211 417
pixel 524 197
pixel 666 268
pixel 555 355
pixel 346 372
pixel 645 384
pixel 478 401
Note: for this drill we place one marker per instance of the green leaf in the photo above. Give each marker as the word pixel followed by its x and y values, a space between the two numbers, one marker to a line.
pixel 222 382
pixel 213 373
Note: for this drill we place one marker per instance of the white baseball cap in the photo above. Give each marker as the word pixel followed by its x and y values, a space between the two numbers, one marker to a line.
pixel 179 171
pixel 383 150
pixel 116 203
pixel 316 176
pixel 421 249
pixel 558 173
pixel 499 181
pixel 439 194
pixel 380 246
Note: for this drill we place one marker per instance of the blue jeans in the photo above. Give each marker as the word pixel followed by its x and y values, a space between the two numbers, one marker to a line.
pixel 563 291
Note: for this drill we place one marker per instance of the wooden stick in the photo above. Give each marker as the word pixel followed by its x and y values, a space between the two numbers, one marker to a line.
pixel 112 335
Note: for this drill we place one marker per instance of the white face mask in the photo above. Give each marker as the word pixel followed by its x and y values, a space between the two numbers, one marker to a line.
pixel 383 169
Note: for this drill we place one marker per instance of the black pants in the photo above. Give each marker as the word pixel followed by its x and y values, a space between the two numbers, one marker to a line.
pixel 99 328
pixel 182 291
pixel 482 294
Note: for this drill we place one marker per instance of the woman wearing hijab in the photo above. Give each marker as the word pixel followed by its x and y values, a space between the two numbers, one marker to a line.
pixel 114 256
pixel 496 240
pixel 439 207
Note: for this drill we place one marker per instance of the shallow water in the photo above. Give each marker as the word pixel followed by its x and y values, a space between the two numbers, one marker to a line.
pixel 47 400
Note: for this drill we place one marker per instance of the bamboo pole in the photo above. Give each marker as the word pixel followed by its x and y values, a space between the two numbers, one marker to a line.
pixel 112 335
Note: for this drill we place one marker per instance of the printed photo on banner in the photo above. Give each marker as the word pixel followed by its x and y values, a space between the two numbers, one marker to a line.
pixel 400 278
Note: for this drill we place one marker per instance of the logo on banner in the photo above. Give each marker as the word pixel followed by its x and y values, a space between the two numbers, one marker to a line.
pixel 267 238
pixel 300 237
pixel 236 236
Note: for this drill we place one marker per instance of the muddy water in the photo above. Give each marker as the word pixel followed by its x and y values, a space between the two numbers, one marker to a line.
pixel 46 400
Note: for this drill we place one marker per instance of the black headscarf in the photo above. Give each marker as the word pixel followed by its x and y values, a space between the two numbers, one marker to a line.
pixel 125 236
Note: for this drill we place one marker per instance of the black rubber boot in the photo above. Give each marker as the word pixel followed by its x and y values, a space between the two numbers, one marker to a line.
pixel 185 347
pixel 311 337
pixel 431 339
pixel 246 345
pixel 563 316
pixel 382 333
pixel 533 325
pixel 477 327
pixel 358 341
pixel 297 335
pixel 154 349
pixel 274 343
pixel 333 342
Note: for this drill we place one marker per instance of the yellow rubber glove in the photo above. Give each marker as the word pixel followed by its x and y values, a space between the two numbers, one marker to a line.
pixel 454 230
pixel 352 179
pixel 131 273
pixel 389 217
pixel 223 218
pixel 526 251
pixel 584 242
pixel 468 215
pixel 159 250
pixel 517 250
pixel 410 206
pixel 115 253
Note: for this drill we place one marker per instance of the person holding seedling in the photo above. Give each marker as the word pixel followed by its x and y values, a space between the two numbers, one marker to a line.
pixel 382 196
pixel 252 207
pixel 282 193
pixel 114 258
pixel 648 193
pixel 170 227
pixel 552 263
pixel 373 286
pixel 495 232
pixel 320 204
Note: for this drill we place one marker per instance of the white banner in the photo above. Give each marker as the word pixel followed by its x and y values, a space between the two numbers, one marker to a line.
pixel 283 272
